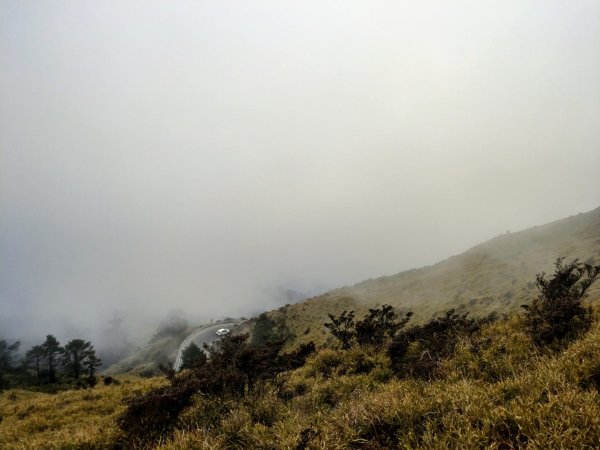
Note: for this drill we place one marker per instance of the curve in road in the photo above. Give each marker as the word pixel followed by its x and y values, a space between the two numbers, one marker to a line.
pixel 203 335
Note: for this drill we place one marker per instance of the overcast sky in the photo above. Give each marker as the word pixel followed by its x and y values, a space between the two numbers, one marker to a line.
pixel 199 155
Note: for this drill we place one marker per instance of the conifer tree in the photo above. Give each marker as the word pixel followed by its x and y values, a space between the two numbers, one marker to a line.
pixel 51 350
pixel 91 363
pixel 7 352
pixel 74 355
pixel 33 358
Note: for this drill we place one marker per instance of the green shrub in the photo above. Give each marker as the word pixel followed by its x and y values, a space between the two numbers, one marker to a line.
pixel 557 316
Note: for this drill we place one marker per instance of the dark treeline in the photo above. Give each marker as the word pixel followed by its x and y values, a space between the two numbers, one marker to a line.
pixel 49 366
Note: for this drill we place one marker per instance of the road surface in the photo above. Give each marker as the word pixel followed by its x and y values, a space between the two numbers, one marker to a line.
pixel 201 336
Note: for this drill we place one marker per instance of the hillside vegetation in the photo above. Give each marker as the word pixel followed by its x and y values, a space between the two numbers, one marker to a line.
pixel 496 390
pixel 383 379
pixel 74 419
pixel 497 275
pixel 525 380
pixel 506 395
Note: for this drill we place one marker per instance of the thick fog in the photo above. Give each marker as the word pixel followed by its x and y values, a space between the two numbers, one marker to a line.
pixel 209 157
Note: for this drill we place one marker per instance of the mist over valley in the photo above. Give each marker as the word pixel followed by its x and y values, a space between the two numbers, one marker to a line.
pixel 395 203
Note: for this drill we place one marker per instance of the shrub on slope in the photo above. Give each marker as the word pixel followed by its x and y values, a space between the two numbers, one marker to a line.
pixel 534 399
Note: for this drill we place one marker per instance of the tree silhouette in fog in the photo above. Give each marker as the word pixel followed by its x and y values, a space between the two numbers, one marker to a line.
pixel 74 355
pixel 51 351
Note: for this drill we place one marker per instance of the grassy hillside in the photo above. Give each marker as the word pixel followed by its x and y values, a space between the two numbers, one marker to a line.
pixel 506 396
pixel 74 419
pixel 497 275
pixel 496 391
pixel 492 388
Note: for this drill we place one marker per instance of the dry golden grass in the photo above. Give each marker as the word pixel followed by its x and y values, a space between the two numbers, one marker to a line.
pixel 496 392
pixel 72 419
pixel 504 395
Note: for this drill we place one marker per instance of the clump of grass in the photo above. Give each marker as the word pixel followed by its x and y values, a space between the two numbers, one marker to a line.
pixel 498 351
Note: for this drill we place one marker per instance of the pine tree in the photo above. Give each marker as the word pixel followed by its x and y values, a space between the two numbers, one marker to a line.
pixel 91 363
pixel 33 358
pixel 51 350
pixel 7 352
pixel 74 355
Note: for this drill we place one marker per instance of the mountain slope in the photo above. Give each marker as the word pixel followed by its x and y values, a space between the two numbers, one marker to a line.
pixel 497 275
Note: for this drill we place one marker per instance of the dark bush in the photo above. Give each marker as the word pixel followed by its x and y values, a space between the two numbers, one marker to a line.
pixel 379 325
pixel 264 329
pixel 557 316
pixel 108 380
pixel 297 358
pixel 419 350
pixel 91 381
pixel 153 415
pixel 237 367
pixel 192 356
pixel 342 328
pixel 234 369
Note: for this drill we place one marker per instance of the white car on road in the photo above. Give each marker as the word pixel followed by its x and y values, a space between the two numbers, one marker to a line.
pixel 222 331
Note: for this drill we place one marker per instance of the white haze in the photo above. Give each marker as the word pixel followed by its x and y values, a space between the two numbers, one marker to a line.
pixel 202 156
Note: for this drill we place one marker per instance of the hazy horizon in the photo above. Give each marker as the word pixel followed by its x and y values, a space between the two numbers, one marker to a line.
pixel 205 156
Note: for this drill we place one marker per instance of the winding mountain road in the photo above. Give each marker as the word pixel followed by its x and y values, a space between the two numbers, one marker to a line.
pixel 201 336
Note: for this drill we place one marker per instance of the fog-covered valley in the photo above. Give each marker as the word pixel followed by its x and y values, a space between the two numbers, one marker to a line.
pixel 401 197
